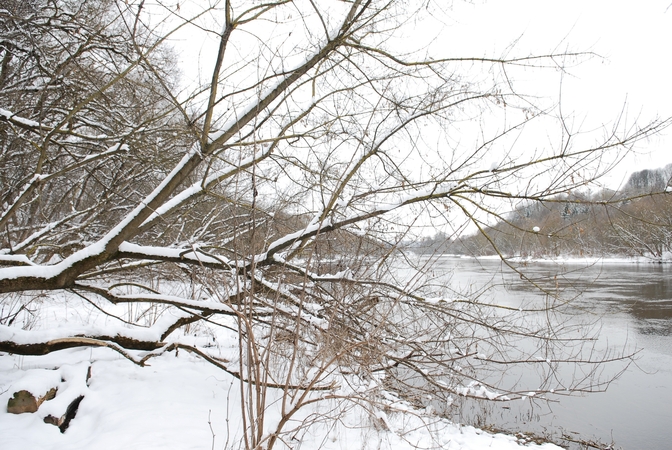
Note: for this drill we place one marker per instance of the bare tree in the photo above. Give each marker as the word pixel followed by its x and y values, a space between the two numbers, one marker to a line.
pixel 273 204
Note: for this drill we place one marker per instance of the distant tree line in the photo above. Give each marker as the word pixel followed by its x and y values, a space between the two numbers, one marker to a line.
pixel 633 221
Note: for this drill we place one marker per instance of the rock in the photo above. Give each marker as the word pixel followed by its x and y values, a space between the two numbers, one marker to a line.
pixel 22 402
pixel 25 402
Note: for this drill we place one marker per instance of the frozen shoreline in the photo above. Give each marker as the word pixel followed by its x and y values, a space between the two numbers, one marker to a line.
pixel 591 260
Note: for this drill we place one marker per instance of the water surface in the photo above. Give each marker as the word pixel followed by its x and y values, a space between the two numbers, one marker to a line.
pixel 632 304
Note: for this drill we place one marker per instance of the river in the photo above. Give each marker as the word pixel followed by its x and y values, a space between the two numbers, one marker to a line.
pixel 632 303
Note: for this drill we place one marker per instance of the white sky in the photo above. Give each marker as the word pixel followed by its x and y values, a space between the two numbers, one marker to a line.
pixel 634 39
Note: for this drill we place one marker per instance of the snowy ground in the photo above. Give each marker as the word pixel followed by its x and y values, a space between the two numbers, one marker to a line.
pixel 173 404
pixel 179 401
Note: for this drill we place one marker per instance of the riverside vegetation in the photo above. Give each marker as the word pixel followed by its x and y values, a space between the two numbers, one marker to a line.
pixel 635 221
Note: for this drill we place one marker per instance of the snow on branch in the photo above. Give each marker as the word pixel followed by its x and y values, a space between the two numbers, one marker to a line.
pixel 201 187
pixel 41 342
pixel 191 255
pixel 8 116
pixel 431 192
pixel 40 233
pixel 204 306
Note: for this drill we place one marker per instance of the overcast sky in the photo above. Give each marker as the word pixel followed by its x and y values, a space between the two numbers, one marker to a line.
pixel 634 39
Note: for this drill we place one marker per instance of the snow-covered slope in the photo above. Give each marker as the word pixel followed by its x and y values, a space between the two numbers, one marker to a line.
pixel 181 402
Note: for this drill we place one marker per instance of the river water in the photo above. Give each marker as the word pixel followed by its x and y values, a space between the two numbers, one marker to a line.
pixel 632 303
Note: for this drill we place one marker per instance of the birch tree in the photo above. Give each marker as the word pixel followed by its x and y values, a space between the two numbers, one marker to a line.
pixel 271 204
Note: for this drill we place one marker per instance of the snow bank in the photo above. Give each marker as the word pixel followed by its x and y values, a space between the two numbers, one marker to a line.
pixel 169 404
